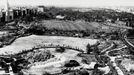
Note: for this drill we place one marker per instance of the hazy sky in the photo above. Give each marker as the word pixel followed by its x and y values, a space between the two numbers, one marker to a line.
pixel 71 3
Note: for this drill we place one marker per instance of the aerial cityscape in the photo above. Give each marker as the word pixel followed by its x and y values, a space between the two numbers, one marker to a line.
pixel 66 39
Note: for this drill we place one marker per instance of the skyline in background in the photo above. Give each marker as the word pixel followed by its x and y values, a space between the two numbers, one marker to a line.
pixel 69 3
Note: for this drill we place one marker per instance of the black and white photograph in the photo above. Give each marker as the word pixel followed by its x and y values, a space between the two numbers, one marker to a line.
pixel 66 37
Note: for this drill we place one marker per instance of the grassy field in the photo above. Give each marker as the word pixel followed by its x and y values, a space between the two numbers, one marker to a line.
pixel 76 25
pixel 54 65
pixel 25 43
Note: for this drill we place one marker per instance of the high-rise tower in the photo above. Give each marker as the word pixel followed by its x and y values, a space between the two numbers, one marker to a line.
pixel 7 11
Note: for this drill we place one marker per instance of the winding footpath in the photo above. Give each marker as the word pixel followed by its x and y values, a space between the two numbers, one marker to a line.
pixel 113 61
pixel 125 40
pixel 113 58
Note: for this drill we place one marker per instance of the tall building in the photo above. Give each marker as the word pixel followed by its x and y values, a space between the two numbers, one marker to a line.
pixel 0 15
pixel 8 12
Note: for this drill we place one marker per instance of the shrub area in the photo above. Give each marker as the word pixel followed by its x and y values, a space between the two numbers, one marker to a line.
pixel 37 56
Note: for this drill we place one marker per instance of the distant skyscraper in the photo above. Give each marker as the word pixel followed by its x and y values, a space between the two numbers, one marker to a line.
pixel 7 5
pixel 7 10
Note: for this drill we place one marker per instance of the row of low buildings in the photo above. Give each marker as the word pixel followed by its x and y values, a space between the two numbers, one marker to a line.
pixel 11 14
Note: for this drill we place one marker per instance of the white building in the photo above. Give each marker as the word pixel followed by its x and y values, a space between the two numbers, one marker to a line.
pixel 8 11
pixel 40 9
pixel 60 17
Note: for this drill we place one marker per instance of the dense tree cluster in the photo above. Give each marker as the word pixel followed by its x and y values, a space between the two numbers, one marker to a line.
pixel 72 63
pixel 37 56
pixel 61 49
pixel 98 15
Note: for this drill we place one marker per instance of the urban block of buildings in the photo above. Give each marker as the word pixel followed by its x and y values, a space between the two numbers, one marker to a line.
pixel 8 14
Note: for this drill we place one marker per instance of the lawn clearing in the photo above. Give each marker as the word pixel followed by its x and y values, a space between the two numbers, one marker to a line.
pixel 28 42
pixel 78 25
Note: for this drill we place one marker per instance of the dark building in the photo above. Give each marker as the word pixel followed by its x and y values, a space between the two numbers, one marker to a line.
pixel 0 15
pixel 15 12
pixel 3 17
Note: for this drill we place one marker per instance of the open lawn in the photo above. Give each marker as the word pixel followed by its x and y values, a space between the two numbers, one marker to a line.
pixel 28 42
pixel 76 25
